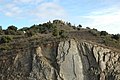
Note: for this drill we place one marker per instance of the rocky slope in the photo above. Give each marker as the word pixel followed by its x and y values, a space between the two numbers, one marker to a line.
pixel 66 60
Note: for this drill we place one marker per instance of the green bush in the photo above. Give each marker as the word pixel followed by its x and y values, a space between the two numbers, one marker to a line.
pixel 94 32
pixel 55 32
pixel 24 29
pixel 1 32
pixel 87 27
pixel 79 26
pixel 5 47
pixel 29 33
pixel 103 33
pixel 63 34
pixel 116 36
pixel 108 41
pixel 12 28
pixel 10 32
pixel 5 39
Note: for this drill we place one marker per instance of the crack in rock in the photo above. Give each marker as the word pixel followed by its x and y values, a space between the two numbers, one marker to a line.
pixel 74 67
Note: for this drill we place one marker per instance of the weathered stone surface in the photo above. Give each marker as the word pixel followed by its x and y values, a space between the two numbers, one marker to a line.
pixel 66 60
pixel 69 61
pixel 102 60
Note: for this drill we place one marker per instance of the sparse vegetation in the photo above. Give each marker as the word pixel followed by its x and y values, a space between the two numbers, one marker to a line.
pixel 56 29
pixel 55 32
pixel 12 28
pixel 87 27
pixel 108 41
pixel 63 34
pixel 94 32
pixel 116 36
pixel 79 27
pixel 5 39
pixel 4 47
pixel 103 33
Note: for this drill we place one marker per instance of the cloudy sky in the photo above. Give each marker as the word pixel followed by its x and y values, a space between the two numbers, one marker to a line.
pixel 99 14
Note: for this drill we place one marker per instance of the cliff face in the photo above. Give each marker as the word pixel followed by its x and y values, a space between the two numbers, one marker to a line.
pixel 67 60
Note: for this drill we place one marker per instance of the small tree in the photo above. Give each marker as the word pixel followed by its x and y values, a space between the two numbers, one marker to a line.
pixel 12 28
pixel 74 27
pixel 63 34
pixel 116 36
pixel 87 27
pixel 103 33
pixel 95 29
pixel 1 31
pixel 24 29
pixel 55 32
pixel 69 24
pixel 10 32
pixel 29 33
pixel 79 26
pixel 0 27
pixel 5 39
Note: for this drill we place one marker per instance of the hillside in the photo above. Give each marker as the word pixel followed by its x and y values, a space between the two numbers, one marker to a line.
pixel 58 51
pixel 56 30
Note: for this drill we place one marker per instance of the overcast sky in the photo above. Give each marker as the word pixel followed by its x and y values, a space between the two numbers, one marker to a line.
pixel 99 14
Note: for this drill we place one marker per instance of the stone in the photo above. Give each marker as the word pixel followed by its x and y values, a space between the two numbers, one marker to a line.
pixel 66 60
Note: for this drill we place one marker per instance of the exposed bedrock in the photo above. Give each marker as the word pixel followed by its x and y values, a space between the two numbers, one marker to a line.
pixel 66 60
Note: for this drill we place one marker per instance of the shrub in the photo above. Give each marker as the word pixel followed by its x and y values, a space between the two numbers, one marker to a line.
pixel 103 33
pixel 69 24
pixel 55 32
pixel 95 29
pixel 12 28
pixel 10 32
pixel 108 41
pixel 94 32
pixel 5 39
pixel 1 32
pixel 116 36
pixel 24 29
pixel 73 27
pixel 87 27
pixel 5 47
pixel 63 34
pixel 29 33
pixel 0 27
pixel 79 26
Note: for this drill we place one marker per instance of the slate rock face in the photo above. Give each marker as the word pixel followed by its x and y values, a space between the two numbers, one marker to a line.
pixel 66 60
pixel 69 61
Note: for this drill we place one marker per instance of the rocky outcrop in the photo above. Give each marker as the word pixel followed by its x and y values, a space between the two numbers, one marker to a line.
pixel 66 60
pixel 101 63
pixel 69 61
